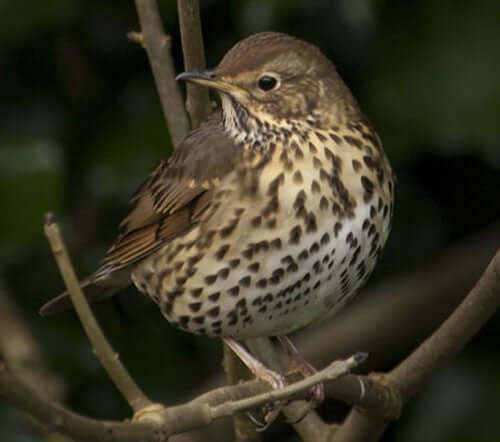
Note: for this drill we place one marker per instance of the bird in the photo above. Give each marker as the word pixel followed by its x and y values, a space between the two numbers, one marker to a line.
pixel 268 217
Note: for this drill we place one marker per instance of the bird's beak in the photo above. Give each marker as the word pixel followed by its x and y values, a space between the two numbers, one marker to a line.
pixel 208 78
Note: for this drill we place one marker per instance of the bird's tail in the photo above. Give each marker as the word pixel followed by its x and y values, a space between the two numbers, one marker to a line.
pixel 94 290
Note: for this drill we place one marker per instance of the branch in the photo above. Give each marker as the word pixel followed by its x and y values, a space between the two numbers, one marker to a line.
pixel 157 45
pixel 445 343
pixel 108 358
pixel 335 370
pixel 197 102
pixel 200 412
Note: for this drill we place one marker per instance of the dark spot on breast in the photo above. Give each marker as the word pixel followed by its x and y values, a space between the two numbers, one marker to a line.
pixel 299 155
pixel 297 177
pixel 257 301
pixel 194 306
pixel 321 137
pixel 323 175
pixel 312 148
pixel 268 298
pixel 275 184
pixel 256 221
pixel 356 165
pixel 323 203
pixel 241 304
pixel 315 187
pixel 295 235
pixel 214 312
pixel 214 297
pixel 196 293
pixel 300 200
pixel 271 223
pixel 368 188
pixel 276 276
pixel 276 243
pixel 221 251
pixel 336 229
pixel 233 318
pixel 248 252
pixel 314 248
pixel 272 206
pixel 356 142
pixel 335 138
pixel 223 273
pixel 254 267
pixel 303 255
pixel 311 226
pixel 199 319
pixel 325 239
pixel 226 231
pixel 234 291
pixel 261 283
pixel 234 263
pixel 210 279
pixel 245 281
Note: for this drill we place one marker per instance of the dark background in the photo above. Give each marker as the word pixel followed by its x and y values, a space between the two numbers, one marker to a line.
pixel 82 126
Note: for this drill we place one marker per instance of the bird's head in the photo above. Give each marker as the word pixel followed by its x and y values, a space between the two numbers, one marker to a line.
pixel 271 79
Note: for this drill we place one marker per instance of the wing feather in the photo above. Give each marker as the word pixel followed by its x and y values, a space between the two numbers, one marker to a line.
pixel 170 202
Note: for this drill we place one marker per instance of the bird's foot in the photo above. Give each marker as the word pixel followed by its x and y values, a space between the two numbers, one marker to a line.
pixel 260 371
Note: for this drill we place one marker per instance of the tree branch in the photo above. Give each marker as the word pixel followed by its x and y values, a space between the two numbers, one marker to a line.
pixel 197 102
pixel 108 358
pixel 409 376
pixel 157 45
pixel 202 411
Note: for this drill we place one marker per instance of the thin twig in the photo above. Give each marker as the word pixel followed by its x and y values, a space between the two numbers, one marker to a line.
pixel 157 45
pixel 197 102
pixel 335 370
pixel 108 358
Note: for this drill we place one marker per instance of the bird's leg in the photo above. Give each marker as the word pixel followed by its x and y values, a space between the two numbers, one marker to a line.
pixel 261 372
pixel 255 366
pixel 299 364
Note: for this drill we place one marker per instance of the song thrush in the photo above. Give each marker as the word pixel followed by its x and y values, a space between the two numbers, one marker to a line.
pixel 268 217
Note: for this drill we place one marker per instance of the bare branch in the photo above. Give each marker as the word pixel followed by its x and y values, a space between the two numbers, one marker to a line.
pixel 197 102
pixel 198 413
pixel 108 358
pixel 335 370
pixel 157 45
pixel 479 305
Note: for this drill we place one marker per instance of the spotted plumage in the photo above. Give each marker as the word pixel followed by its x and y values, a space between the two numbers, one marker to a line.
pixel 268 217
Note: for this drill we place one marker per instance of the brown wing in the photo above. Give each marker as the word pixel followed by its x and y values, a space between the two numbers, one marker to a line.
pixel 171 200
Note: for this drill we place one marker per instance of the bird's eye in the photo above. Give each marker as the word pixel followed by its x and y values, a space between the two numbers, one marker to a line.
pixel 266 83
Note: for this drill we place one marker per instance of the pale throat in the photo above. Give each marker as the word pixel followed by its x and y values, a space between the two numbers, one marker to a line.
pixel 244 127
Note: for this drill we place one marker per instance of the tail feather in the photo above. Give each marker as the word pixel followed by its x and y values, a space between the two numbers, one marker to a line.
pixel 93 290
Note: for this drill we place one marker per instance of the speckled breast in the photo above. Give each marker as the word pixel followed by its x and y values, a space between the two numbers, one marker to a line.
pixel 288 241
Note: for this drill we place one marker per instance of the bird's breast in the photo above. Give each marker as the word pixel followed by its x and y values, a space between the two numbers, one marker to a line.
pixel 295 233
